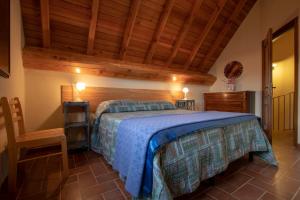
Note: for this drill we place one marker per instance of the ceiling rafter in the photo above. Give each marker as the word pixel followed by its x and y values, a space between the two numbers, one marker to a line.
pixel 155 29
pixel 93 25
pixel 58 60
pixel 159 29
pixel 45 21
pixel 186 26
pixel 206 30
pixel 133 12
pixel 224 31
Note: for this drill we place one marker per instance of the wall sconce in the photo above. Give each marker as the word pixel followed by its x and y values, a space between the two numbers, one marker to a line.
pixel 185 90
pixel 79 87
pixel 174 78
pixel 77 70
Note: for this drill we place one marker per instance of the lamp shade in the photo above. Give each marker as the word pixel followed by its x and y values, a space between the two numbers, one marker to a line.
pixel 185 90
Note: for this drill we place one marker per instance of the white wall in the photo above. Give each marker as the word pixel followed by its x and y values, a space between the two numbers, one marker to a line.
pixel 14 86
pixel 245 46
pixel 43 98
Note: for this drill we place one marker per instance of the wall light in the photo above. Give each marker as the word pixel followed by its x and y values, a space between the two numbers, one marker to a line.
pixel 185 90
pixel 274 65
pixel 174 78
pixel 77 89
pixel 80 86
pixel 77 70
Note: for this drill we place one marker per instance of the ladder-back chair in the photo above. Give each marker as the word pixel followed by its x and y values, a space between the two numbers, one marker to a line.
pixel 17 138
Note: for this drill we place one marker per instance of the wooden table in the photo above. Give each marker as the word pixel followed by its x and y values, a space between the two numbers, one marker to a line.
pixel 188 104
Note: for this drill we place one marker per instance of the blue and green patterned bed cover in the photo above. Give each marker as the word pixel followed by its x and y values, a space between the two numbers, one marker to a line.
pixel 179 166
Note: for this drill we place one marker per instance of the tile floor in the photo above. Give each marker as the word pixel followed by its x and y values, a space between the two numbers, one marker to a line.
pixel 92 178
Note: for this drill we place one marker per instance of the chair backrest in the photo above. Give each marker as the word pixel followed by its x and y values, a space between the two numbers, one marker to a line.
pixel 13 116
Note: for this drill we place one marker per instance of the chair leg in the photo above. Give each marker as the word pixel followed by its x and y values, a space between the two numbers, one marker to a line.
pixel 65 158
pixel 12 172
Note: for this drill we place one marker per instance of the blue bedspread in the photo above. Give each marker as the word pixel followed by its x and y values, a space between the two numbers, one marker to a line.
pixel 139 138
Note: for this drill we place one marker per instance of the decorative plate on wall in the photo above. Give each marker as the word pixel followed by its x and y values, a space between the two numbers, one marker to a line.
pixel 233 70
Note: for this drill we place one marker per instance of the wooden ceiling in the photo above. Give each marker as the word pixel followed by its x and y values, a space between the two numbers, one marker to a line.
pixel 135 39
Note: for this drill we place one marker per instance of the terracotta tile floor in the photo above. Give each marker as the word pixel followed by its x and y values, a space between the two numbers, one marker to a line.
pixel 92 178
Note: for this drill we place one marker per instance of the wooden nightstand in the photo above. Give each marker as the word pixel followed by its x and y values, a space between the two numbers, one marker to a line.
pixel 76 119
pixel 188 104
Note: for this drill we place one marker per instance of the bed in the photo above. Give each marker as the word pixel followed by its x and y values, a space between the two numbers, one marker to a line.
pixel 161 152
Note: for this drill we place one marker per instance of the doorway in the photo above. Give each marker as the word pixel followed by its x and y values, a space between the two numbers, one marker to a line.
pixel 283 82
pixel 280 84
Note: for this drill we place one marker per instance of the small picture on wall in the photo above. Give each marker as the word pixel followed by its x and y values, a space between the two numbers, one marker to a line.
pixel 4 38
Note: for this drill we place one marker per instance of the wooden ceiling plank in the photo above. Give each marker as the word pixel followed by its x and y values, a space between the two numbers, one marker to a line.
pixel 159 29
pixel 49 59
pixel 45 21
pixel 224 31
pixel 93 25
pixel 132 15
pixel 186 26
pixel 68 17
pixel 169 46
pixel 206 30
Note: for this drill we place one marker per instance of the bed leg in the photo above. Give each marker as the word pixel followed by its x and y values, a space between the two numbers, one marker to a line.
pixel 211 181
pixel 250 156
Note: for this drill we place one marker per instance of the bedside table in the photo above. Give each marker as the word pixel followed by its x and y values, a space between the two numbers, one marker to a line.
pixel 188 104
pixel 73 125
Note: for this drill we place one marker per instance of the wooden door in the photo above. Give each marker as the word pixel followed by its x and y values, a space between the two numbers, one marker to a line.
pixel 267 104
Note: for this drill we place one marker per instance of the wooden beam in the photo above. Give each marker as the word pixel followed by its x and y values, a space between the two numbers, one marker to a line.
pixel 93 25
pixel 204 33
pixel 159 29
pixel 133 12
pixel 186 26
pixel 45 21
pixel 58 60
pixel 224 31
pixel 169 46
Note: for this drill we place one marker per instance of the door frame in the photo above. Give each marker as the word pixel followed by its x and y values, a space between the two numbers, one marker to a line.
pixel 292 24
pixel 267 111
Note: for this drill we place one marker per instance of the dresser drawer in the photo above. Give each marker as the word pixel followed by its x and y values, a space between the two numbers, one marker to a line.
pixel 230 101
pixel 226 96
pixel 232 106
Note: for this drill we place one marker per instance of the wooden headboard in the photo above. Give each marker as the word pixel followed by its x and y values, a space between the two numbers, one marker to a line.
pixel 96 95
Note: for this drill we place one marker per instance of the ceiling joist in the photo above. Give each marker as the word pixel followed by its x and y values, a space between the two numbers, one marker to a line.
pixel 132 15
pixel 50 59
pixel 159 29
pixel 93 25
pixel 205 32
pixel 186 26
pixel 132 39
pixel 220 38
pixel 45 21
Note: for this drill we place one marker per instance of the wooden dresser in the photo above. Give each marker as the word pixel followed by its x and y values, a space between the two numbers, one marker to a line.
pixel 243 101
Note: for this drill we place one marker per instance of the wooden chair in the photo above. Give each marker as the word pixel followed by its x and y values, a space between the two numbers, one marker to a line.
pixel 16 140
